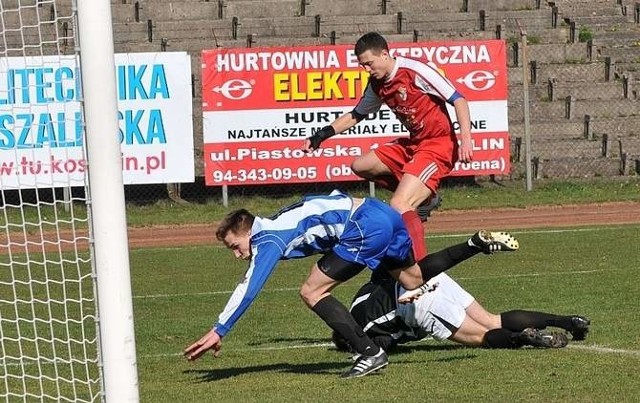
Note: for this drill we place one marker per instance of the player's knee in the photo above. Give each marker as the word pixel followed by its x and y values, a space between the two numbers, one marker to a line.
pixel 308 295
pixel 359 168
pixel 400 204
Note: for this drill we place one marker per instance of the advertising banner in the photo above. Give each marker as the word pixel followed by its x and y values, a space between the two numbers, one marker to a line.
pixel 42 129
pixel 259 104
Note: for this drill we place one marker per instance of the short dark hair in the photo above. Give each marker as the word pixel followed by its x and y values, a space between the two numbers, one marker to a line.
pixel 372 41
pixel 236 221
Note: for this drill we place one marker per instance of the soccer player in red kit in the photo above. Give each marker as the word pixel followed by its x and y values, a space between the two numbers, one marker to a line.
pixel 411 167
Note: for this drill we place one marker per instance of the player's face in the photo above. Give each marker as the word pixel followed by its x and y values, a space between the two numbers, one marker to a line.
pixel 377 64
pixel 239 244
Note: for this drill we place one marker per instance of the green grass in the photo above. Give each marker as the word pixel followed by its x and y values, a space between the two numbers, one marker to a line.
pixel 277 353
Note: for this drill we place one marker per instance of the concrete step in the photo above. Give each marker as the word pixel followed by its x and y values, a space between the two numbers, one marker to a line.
pixel 580 12
pixel 123 13
pixel 514 5
pixel 549 148
pixel 618 35
pixel 574 72
pixel 408 7
pixel 631 145
pixel 569 167
pixel 29 17
pixel 622 54
pixel 261 9
pixel 350 24
pixel 556 110
pixel 556 52
pixel 546 129
pixel 609 90
pixel 617 127
pixel 596 23
pixel 179 10
pixel 193 29
pixel 623 127
pixel 131 32
pixel 343 8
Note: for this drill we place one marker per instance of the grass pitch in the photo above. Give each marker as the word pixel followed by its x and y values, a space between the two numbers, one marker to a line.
pixel 280 351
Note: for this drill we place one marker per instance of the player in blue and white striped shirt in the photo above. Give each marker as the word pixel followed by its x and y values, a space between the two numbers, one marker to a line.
pixel 351 234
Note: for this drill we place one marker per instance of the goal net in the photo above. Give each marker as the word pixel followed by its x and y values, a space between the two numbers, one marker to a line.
pixel 50 342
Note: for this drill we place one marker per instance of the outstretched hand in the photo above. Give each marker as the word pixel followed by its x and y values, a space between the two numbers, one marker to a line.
pixel 210 341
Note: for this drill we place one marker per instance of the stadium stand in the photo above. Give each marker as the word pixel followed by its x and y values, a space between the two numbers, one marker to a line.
pixel 584 57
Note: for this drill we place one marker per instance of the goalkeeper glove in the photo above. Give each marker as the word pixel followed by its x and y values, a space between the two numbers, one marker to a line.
pixel 320 136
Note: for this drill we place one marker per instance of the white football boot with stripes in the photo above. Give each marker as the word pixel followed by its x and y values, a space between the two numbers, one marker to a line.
pixel 366 364
pixel 490 242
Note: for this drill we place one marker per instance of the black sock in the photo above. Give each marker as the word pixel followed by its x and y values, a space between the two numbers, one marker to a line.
pixel 444 259
pixel 500 338
pixel 518 320
pixel 339 319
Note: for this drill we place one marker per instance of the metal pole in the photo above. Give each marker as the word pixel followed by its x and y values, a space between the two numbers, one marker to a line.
pixel 107 208
pixel 225 195
pixel 527 131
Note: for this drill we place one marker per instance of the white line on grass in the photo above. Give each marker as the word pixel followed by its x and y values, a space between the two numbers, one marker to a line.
pixel 546 231
pixel 591 348
pixel 506 276
pixel 606 350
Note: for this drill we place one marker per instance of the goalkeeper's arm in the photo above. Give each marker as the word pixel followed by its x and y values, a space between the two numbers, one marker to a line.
pixel 339 125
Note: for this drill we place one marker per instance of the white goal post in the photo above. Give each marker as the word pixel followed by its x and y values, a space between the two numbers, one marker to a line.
pixel 66 316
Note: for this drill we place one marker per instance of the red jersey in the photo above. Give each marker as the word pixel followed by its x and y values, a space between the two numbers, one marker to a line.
pixel 417 93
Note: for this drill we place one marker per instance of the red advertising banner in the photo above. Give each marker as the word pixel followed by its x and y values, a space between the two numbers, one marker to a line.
pixel 259 105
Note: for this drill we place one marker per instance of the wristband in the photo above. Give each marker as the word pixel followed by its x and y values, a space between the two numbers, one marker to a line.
pixel 326 132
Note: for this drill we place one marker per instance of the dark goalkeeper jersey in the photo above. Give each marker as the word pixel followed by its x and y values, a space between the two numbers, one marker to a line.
pixel 374 308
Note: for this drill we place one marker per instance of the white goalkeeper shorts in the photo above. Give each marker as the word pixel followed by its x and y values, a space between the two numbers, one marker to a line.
pixel 440 311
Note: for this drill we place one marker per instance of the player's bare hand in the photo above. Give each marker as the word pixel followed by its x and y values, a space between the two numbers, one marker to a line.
pixel 210 341
pixel 465 151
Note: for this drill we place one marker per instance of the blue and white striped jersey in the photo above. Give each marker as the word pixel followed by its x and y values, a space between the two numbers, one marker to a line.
pixel 313 225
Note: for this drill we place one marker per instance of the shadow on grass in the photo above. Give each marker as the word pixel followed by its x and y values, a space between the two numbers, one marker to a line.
pixel 292 340
pixel 321 368
pixel 406 350
pixel 399 355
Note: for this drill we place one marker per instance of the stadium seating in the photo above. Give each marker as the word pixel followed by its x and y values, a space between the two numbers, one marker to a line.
pixel 584 57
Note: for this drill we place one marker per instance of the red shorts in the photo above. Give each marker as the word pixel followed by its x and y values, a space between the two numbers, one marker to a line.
pixel 431 160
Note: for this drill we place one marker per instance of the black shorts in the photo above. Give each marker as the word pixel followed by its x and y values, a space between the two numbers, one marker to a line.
pixel 337 268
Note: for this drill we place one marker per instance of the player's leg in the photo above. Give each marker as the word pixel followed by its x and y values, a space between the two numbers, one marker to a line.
pixel 438 262
pixel 441 315
pixel 330 271
pixel 470 333
pixel 372 168
pixel 518 320
pixel 482 316
pixel 410 193
pixel 442 312
pixel 384 165
pixel 421 176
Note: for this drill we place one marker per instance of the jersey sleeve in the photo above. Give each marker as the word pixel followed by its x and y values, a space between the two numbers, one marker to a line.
pixel 265 257
pixel 430 81
pixel 369 103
